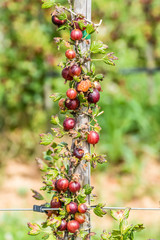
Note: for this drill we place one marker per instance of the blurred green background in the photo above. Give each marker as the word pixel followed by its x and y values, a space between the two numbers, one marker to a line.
pixel 130 97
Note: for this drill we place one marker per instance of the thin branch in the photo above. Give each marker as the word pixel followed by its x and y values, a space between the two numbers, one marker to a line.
pixel 75 14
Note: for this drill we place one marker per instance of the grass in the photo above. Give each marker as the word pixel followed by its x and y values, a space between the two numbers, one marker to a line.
pixel 13 226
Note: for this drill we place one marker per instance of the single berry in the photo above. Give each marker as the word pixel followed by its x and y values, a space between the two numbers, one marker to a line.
pixel 61 103
pixel 70 54
pixel 74 186
pixel 71 93
pixel 72 207
pixel 62 184
pixel 66 75
pixel 78 152
pixel 57 21
pixel 83 86
pixel 82 208
pixel 93 137
pixel 89 83
pixel 76 34
pixel 72 104
pixel 63 225
pixel 69 123
pixel 80 217
pixel 55 203
pixel 97 85
pixel 93 97
pixel 49 213
pixel 73 226
pixel 75 70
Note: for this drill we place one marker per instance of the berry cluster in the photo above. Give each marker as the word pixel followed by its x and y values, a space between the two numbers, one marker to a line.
pixel 60 178
pixel 75 211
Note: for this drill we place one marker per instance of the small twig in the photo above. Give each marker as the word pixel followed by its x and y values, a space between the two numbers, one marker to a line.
pixel 75 14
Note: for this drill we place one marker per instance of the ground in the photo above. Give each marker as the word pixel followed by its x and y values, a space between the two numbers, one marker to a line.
pixel 114 190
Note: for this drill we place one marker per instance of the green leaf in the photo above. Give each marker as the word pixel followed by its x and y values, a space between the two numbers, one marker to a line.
pixel 62 213
pixel 54 222
pixel 35 229
pixel 126 212
pixel 81 24
pixel 99 77
pixel 55 120
pixel 45 236
pixel 46 139
pixel 67 200
pixel 41 164
pixel 63 27
pixel 53 172
pixel 37 195
pixel 138 228
pixel 106 236
pixel 120 215
pixel 62 16
pixel 56 97
pixel 93 68
pixel 108 61
pixel 98 210
pixel 47 3
pixel 98 47
pixel 81 198
pixel 83 233
pixel 88 189
pixel 81 97
pixel 63 144
pixel 90 29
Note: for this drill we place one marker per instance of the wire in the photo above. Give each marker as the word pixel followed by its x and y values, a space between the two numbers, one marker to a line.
pixel 47 209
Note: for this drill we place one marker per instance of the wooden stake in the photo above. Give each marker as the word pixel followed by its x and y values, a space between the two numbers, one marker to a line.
pixel 84 7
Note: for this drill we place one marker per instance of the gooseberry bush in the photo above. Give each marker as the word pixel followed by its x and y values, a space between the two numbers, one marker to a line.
pixel 61 180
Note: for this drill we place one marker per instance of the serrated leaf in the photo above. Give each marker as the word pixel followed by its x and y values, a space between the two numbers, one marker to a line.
pixel 37 195
pixel 98 210
pixel 108 61
pixel 46 139
pixel 35 229
pixel 81 24
pixel 55 120
pixel 88 189
pixel 54 222
pixel 90 29
pixel 98 47
pixel 47 3
pixel 99 77
pixel 53 172
pixel 81 198
pixel 62 16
